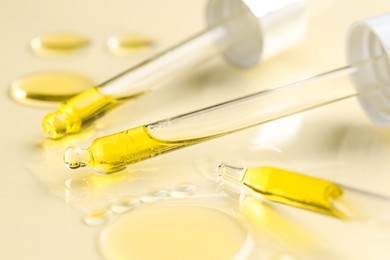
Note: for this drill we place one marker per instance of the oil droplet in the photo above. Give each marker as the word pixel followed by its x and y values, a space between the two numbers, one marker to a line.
pixel 75 189
pixel 124 204
pixel 48 87
pixel 154 195
pixel 58 43
pixel 183 190
pixel 96 217
pixel 79 186
pixel 176 232
pixel 125 44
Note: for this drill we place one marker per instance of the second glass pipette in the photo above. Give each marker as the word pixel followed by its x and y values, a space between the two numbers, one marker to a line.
pixel 241 30
pixel 368 77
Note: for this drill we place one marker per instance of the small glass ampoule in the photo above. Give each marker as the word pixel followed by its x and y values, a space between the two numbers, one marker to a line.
pixel 275 185
pixel 286 187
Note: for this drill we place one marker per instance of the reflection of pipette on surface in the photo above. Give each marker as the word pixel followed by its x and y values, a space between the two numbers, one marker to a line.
pixel 241 30
pixel 270 184
pixel 369 72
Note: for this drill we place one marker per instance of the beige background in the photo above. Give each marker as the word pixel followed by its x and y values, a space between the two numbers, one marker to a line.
pixel 37 223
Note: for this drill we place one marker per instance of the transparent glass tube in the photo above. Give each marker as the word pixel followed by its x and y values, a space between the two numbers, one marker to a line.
pixel 274 185
pixel 80 111
pixel 114 152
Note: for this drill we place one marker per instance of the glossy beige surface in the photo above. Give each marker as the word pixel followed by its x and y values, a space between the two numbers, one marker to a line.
pixel 39 221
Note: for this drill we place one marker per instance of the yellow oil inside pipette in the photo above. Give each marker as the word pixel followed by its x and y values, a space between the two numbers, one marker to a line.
pixel 78 112
pixel 114 152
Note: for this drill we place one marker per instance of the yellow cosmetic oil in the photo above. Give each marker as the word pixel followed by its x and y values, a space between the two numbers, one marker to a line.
pixel 58 43
pixel 78 112
pixel 176 232
pixel 48 87
pixel 125 44
pixel 294 189
pixel 114 152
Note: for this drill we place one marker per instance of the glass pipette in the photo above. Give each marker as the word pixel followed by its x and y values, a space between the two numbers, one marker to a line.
pixel 369 79
pixel 241 30
pixel 271 184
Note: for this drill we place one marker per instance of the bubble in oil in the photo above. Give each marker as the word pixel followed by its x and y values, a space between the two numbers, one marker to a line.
pixel 125 44
pixel 48 88
pixel 96 217
pixel 183 190
pixel 154 195
pixel 124 204
pixel 58 43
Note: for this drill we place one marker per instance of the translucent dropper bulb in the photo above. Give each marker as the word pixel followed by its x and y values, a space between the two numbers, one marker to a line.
pixel 114 152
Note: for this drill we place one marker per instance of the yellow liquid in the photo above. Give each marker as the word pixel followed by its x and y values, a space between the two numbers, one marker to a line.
pixel 48 87
pixel 175 232
pixel 294 189
pixel 58 43
pixel 129 44
pixel 114 152
pixel 77 113
pixel 269 221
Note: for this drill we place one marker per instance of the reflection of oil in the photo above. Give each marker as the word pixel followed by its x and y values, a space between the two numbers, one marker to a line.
pixel 91 185
pixel 175 232
pixel 96 217
pixel 48 87
pixel 125 44
pixel 58 43
pixel 267 220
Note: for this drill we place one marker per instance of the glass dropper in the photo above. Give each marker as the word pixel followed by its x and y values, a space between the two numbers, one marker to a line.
pixel 114 152
pixel 368 79
pixel 240 30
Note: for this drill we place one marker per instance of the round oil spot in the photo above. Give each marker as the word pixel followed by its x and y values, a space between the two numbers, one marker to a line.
pixel 176 232
pixel 58 43
pixel 125 44
pixel 49 87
